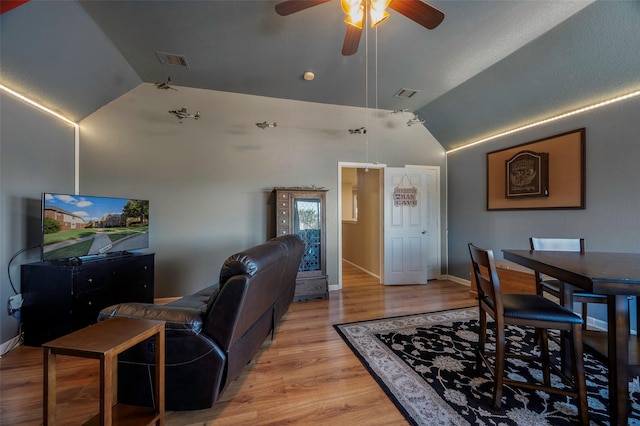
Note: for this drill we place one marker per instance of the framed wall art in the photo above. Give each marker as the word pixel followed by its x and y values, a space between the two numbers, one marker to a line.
pixel 544 174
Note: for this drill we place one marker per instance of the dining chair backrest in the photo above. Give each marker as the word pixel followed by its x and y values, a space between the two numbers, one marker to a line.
pixel 531 311
pixel 486 275
pixel 557 244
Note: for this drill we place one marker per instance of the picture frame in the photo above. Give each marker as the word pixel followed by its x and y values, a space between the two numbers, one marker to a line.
pixel 547 173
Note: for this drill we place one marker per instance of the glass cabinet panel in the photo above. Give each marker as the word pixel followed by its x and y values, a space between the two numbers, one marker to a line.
pixel 301 211
pixel 307 225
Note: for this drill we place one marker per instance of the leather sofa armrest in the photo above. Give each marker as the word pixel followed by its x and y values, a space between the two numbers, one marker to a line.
pixel 178 319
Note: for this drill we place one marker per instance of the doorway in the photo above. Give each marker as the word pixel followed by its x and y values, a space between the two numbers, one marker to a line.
pixel 361 219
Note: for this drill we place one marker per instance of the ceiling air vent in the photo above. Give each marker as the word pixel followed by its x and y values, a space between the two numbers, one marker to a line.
pixel 405 93
pixel 173 59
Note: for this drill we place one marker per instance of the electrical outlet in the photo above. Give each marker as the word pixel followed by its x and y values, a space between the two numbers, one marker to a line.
pixel 15 303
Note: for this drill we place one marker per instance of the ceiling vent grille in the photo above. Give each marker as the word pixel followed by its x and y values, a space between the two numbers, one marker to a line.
pixel 173 59
pixel 405 93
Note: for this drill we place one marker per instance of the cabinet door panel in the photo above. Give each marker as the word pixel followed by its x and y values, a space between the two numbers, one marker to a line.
pixel 135 281
pixel 46 309
pixel 301 211
pixel 86 307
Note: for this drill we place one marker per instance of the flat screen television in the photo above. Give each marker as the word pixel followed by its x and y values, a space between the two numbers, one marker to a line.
pixel 84 227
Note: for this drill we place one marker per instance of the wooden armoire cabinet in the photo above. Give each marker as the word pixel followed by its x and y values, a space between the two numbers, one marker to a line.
pixel 301 211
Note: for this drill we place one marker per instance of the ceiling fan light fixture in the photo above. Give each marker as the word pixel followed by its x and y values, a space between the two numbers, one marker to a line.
pixel 378 17
pixel 357 22
pixel 354 9
pixel 379 4
pixel 377 11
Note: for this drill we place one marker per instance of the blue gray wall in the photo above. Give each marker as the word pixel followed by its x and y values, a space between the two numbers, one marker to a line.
pixel 36 152
pixel 208 181
pixel 591 56
pixel 610 221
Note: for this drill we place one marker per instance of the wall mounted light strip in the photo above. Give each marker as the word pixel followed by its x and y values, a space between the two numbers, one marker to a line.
pixel 76 131
pixel 549 120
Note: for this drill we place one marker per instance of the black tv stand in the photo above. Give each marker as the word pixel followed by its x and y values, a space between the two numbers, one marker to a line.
pixel 74 261
pixel 61 297
pixel 123 253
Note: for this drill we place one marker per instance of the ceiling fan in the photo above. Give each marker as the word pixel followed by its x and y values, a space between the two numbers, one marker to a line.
pixel 416 10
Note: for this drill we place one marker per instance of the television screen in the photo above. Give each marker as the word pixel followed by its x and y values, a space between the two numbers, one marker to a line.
pixel 76 226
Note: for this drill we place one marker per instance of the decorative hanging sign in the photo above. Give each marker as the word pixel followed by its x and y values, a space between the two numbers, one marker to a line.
pixel 527 175
pixel 405 196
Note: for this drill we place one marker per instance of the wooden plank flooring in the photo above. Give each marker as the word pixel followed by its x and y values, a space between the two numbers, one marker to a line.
pixel 307 375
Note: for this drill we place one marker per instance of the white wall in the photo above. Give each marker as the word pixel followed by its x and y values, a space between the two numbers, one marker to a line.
pixel 208 181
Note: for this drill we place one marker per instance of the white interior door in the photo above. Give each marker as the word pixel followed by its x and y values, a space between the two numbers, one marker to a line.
pixel 409 233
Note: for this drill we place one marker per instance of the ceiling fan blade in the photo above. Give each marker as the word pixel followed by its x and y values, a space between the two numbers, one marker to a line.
pixel 419 12
pixel 351 40
pixel 288 7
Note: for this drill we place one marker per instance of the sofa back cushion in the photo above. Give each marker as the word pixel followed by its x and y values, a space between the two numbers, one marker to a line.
pixel 243 263
pixel 249 284
pixel 294 247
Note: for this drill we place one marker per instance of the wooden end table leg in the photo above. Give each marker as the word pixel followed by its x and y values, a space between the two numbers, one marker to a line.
pixel 160 385
pixel 106 389
pixel 114 380
pixel 49 389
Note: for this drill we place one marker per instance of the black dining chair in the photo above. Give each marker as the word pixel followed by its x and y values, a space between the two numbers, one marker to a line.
pixel 553 286
pixel 525 310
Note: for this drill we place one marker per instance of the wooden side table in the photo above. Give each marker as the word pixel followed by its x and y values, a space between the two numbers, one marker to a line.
pixel 104 341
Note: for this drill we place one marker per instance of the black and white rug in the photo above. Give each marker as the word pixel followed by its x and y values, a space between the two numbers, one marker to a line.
pixel 426 365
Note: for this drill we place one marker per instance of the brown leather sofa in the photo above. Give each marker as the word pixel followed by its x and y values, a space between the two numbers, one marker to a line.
pixel 211 335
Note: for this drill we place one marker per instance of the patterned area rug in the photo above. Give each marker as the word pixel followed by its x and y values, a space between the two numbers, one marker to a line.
pixel 426 365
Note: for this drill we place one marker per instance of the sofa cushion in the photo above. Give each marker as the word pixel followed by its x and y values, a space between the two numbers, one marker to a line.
pixel 177 319
pixel 201 300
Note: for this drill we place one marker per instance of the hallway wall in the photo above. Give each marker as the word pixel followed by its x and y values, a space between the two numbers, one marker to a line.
pixel 361 240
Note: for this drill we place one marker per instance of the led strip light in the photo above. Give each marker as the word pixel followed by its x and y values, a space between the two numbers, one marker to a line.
pixel 76 131
pixel 549 120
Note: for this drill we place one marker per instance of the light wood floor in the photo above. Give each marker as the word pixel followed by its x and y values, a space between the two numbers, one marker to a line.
pixel 307 375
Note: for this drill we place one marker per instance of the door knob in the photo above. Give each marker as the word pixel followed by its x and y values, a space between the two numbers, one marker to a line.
pixel 424 232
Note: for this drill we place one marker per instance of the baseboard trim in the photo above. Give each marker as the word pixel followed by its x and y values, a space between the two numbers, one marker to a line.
pixel 458 280
pixel 9 345
pixel 361 268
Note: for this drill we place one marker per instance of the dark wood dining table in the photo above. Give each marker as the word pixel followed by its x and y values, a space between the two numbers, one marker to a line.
pixel 616 275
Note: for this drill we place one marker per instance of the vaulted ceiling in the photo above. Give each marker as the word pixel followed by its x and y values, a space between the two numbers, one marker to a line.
pixel 489 66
